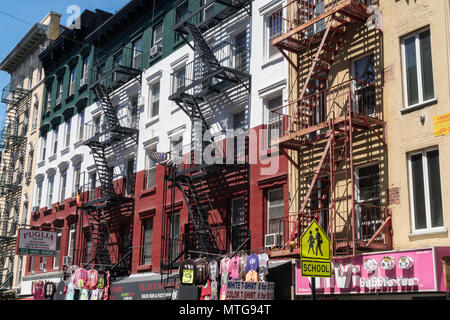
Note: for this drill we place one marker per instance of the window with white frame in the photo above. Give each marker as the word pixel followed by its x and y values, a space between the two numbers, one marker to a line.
pixel 55 141
pixel 43 148
pixel 59 91
pixel 274 27
pixel 48 99
pixel 50 191
pixel 73 74
pixel 39 193
pixel 67 133
pixel 81 126
pixel 274 123
pixel 425 190
pixel 181 12
pixel 208 12
pixel 71 243
pixel 137 54
pixel 150 167
pixel 417 68
pixel 179 79
pixel 57 251
pixel 62 185
pixel 85 70
pixel 158 34
pixel 76 178
pixel 154 100
pixel 147 241
pixel 275 211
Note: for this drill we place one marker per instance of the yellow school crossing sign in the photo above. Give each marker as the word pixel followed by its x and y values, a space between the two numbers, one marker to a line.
pixel 315 252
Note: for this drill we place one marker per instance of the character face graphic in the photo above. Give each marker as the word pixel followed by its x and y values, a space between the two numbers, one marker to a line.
pixel 370 265
pixel 405 262
pixel 387 263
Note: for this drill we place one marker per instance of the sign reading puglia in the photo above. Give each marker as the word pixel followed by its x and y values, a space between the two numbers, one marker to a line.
pixel 315 243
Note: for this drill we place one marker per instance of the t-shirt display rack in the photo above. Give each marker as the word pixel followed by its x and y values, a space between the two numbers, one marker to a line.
pixel 211 272
pixel 86 284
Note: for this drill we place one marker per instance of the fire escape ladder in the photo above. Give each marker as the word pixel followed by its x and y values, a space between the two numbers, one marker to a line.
pixel 99 237
pixel 110 114
pixel 103 171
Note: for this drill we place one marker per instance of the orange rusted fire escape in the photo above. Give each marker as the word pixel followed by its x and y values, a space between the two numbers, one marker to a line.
pixel 321 128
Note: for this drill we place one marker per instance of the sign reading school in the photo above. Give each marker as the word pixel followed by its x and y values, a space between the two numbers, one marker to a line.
pixel 315 243
pixel 315 252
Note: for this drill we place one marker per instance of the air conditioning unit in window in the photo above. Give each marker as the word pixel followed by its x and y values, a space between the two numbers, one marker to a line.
pixel 27 174
pixel 58 101
pixel 83 81
pixel 141 101
pixel 272 240
pixel 41 266
pixel 156 49
pixel 66 261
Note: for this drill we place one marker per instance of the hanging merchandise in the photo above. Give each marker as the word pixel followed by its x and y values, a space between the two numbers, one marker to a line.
pixel 234 268
pixel 242 264
pixel 70 292
pixel 186 272
pixel 101 294
pixel 106 292
pixel 101 281
pixel 263 270
pixel 223 292
pixel 92 279
pixel 38 290
pixel 212 270
pixel 50 289
pixel 94 294
pixel 206 291
pixel 201 272
pixel 84 294
pixel 252 276
pixel 252 263
pixel 80 278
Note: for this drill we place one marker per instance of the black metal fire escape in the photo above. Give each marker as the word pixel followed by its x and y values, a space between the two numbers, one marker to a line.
pixel 13 147
pixel 199 183
pixel 109 204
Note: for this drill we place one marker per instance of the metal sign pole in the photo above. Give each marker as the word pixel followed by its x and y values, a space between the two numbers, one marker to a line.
pixel 313 288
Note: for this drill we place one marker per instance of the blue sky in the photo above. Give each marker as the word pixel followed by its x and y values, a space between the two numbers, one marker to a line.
pixel 32 11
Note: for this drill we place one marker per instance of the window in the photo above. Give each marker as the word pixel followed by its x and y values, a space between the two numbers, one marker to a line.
pixel 57 251
pixel 274 127
pixel 92 181
pixel 176 149
pixel 368 212
pixel 59 91
pixel 30 161
pixel 425 190
pixel 239 126
pixel 63 183
pixel 76 179
pixel 237 222
pixel 150 167
pixel 71 243
pixel 364 93
pixel 179 79
pixel 68 128
pixel 315 10
pixel 44 148
pixel 39 194
pixel 48 98
pixel 418 68
pixel 73 74
pixel 275 211
pixel 240 54
pixel 35 114
pixel 158 34
pixel 180 14
pixel 174 223
pixel 88 248
pixel 274 23
pixel 154 102
pixel 208 12
pixel 134 111
pixel 81 127
pixel 137 54
pixel 85 70
pixel 50 191
pixel 118 61
pixel 130 176
pixel 147 241
pixel 55 141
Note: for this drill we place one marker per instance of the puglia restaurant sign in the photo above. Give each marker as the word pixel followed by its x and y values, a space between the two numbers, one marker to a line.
pixel 36 243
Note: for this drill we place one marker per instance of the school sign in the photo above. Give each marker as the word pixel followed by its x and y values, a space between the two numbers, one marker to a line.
pixel 36 243
pixel 315 252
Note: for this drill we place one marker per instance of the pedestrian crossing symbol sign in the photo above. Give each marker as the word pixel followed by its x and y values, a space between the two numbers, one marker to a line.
pixel 315 243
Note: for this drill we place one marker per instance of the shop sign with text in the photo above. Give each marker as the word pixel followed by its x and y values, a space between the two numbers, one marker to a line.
pixel 384 272
pixel 36 243
pixel 240 290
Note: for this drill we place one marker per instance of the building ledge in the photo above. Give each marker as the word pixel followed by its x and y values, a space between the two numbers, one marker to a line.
pixel 438 232
pixel 419 106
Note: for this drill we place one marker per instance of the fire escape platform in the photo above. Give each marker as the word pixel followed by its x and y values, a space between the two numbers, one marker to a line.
pixel 348 8
pixel 125 75
pixel 295 141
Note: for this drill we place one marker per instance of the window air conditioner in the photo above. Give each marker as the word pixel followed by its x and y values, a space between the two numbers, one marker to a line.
pixel 83 81
pixel 155 50
pixel 58 101
pixel 41 266
pixel 66 261
pixel 272 240
pixel 27 174
pixel 141 101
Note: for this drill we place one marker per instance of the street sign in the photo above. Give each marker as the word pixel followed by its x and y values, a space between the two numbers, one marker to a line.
pixel 316 268
pixel 314 243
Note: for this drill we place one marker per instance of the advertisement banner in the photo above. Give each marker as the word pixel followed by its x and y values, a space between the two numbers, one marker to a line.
pixel 384 272
pixel 36 243
pixel 241 290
